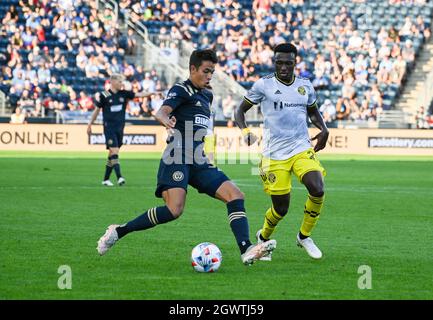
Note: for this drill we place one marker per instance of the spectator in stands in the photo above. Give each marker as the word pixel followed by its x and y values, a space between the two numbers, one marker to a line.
pixel 343 109
pixel 26 102
pixel 229 106
pixel 85 102
pixel 328 111
pixel 374 97
pixel 421 119
pixel 148 84
pixel 398 70
pixel 133 108
pixel 38 111
pixel 408 52
pixel 18 117
pixel 156 103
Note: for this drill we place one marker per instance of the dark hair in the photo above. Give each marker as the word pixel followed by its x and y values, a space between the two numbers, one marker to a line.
pixel 286 48
pixel 198 56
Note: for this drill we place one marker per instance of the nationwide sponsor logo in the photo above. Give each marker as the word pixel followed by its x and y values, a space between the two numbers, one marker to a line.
pixel 128 139
pixel 399 142
pixel 281 105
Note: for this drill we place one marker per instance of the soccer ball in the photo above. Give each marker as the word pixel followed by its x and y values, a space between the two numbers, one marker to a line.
pixel 206 257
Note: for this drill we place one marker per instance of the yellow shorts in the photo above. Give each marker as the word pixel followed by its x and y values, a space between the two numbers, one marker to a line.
pixel 209 144
pixel 276 174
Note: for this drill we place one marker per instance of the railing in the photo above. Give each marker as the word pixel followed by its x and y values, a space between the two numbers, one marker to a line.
pixel 426 93
pixel 2 103
pixel 394 119
pixel 152 55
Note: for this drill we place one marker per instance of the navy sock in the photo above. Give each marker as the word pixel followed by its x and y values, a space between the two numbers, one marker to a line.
pixel 108 169
pixel 149 219
pixel 116 165
pixel 239 223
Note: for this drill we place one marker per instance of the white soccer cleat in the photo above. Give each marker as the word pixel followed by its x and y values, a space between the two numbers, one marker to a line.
pixel 309 246
pixel 121 181
pixel 107 183
pixel 257 251
pixel 267 256
pixel 108 239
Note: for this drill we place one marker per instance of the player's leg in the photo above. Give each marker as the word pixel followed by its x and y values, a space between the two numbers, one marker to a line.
pixel 111 145
pixel 174 204
pixel 310 172
pixel 279 208
pixel 172 186
pixel 108 170
pixel 210 180
pixel 115 157
pixel 313 181
pixel 116 164
pixel 230 194
pixel 277 183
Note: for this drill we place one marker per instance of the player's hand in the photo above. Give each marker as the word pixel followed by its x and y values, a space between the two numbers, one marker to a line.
pixel 321 138
pixel 89 130
pixel 170 124
pixel 250 138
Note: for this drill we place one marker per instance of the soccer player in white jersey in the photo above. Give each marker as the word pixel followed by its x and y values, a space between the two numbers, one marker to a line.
pixel 286 101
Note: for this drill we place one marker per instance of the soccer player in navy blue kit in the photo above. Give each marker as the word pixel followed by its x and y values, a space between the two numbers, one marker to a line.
pixel 185 113
pixel 113 103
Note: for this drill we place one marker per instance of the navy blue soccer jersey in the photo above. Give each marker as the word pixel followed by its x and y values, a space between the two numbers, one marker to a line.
pixel 114 106
pixel 191 107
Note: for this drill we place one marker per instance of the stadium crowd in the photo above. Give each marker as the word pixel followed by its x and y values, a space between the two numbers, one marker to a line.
pixel 356 53
pixel 54 55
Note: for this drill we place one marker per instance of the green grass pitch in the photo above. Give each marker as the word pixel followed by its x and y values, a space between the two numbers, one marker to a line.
pixel 378 213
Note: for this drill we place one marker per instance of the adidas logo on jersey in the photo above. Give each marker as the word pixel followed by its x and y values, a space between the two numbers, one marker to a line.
pixel 278 92
pixel 198 104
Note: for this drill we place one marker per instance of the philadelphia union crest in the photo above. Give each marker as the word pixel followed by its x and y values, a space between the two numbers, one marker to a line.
pixel 178 176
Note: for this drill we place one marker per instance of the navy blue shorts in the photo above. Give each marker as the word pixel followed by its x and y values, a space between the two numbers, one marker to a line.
pixel 113 137
pixel 205 178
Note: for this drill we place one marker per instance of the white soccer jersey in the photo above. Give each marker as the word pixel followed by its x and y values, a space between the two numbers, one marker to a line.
pixel 284 109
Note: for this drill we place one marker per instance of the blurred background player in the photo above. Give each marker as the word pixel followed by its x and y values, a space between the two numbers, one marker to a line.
pixel 113 103
pixel 185 113
pixel 285 101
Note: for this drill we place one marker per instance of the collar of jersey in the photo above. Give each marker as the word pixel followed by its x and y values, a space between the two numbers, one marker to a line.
pixel 193 86
pixel 283 82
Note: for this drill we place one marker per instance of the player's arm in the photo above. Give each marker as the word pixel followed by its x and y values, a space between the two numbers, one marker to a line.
pixel 164 118
pixel 240 111
pixel 317 119
pixel 145 94
pixel 95 113
pixel 254 96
